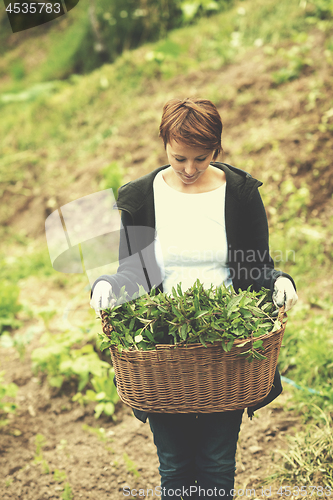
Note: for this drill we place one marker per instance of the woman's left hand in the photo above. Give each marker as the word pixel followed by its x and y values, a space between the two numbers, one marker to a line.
pixel 284 293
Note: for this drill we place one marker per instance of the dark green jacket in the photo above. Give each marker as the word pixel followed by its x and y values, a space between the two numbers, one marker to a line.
pixel 249 260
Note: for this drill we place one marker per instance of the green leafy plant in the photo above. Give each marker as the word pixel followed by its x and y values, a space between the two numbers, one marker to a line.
pixel 47 315
pixel 67 494
pixel 104 393
pixel 20 340
pixel 131 467
pixel 323 9
pixel 40 441
pixel 112 177
pixel 59 476
pixel 9 306
pixel 309 459
pixel 61 359
pixel 197 315
pixel 297 61
pixel 99 432
pixel 6 391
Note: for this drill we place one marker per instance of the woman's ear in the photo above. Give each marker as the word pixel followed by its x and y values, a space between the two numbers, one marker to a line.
pixel 217 153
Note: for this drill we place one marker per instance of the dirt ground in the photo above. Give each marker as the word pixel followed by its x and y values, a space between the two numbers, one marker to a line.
pixel 51 441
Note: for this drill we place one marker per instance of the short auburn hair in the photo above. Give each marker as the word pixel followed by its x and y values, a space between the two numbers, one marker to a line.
pixel 195 122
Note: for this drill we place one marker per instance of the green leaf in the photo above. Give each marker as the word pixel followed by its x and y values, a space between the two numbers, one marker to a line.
pixel 104 345
pixel 200 313
pixel 131 325
pixel 258 344
pixel 100 396
pixel 149 335
pixel 230 344
pixel 56 381
pixel 183 331
pixel 245 353
pixel 257 355
pixel 233 305
pixel 243 343
pixel 246 314
pixel 109 408
pixel 277 326
pixel 202 341
pixel 128 338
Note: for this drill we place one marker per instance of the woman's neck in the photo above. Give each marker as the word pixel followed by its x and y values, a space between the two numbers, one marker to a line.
pixel 212 179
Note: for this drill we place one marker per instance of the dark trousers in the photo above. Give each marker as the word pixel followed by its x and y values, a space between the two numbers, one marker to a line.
pixel 196 453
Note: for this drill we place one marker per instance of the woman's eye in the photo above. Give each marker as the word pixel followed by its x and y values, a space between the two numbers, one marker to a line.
pixel 177 159
pixel 202 159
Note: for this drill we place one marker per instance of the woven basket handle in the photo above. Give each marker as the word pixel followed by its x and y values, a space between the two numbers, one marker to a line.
pixel 281 314
pixel 106 327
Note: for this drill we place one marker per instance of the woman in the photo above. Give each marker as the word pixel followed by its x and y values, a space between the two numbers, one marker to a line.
pixel 206 221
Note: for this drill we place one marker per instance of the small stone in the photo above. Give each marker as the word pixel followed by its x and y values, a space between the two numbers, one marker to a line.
pixel 31 411
pixel 255 449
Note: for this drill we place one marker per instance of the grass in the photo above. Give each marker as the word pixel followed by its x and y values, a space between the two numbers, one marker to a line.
pixel 309 459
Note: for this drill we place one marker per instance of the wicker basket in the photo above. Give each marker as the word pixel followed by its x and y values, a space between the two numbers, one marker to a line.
pixel 194 378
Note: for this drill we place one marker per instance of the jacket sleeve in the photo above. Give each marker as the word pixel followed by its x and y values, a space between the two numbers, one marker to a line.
pixel 137 263
pixel 260 264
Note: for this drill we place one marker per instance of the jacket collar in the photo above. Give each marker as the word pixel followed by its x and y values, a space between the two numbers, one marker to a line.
pixel 133 195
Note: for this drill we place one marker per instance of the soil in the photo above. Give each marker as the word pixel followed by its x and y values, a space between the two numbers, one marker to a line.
pixel 99 458
pixel 99 465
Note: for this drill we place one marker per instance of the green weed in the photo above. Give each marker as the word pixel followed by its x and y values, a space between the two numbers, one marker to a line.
pixel 59 476
pixel 306 357
pixel 112 177
pixel 45 467
pixel 296 61
pixel 67 494
pixel 131 467
pixel 20 340
pixel 47 315
pixel 60 360
pixel 27 261
pixel 309 459
pixel 104 393
pixel 6 391
pixel 40 442
pixel 100 432
pixel 9 306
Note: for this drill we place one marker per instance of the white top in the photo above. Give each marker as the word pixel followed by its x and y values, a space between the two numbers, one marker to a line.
pixel 191 238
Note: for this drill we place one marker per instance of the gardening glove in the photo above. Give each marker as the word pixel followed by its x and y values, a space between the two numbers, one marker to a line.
pixel 102 297
pixel 284 293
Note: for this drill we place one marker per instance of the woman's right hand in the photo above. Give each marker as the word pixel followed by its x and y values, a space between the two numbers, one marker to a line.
pixel 102 297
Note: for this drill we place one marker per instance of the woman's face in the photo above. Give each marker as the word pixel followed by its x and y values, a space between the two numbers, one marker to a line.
pixel 188 163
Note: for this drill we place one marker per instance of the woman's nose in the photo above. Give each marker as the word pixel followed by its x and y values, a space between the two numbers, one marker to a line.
pixel 190 168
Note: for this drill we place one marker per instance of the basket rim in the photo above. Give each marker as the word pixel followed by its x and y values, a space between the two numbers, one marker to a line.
pixel 195 345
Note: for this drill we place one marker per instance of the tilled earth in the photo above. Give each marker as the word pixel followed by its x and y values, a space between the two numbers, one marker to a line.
pixel 52 443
